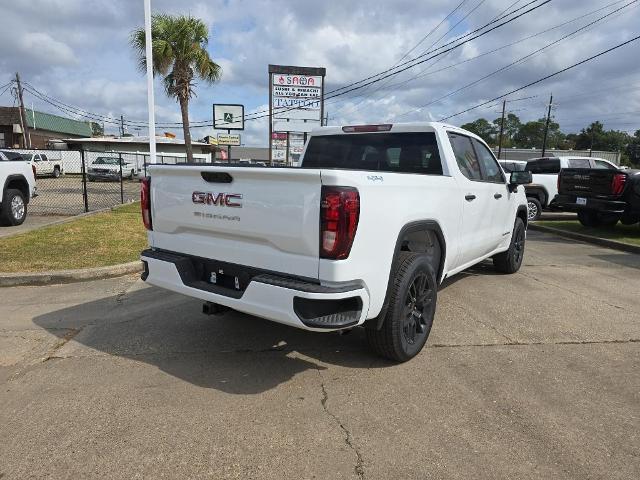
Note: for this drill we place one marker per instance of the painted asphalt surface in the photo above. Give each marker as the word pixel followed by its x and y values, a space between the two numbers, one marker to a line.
pixel 535 375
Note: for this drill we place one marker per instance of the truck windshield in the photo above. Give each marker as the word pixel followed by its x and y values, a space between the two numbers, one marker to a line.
pixel 12 156
pixel 385 152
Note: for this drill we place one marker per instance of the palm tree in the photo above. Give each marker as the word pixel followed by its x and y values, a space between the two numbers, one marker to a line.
pixel 180 56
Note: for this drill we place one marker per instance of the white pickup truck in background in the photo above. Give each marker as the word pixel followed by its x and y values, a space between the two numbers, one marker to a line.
pixel 44 165
pixel 362 234
pixel 18 181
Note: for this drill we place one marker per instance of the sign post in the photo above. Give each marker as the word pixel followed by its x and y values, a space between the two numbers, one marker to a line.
pixel 296 105
pixel 228 116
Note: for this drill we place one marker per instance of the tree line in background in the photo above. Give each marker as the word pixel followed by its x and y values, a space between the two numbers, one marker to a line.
pixel 530 135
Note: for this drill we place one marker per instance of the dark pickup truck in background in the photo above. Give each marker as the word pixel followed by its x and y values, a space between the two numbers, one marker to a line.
pixel 600 197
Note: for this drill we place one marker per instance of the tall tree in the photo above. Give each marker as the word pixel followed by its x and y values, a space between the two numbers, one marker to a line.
pixel 483 129
pixel 512 125
pixel 531 134
pixel 180 56
pixel 96 129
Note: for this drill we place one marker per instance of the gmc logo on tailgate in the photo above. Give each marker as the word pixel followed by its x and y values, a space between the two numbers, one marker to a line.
pixel 218 199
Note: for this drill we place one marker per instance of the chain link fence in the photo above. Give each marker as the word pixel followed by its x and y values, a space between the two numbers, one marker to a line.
pixel 71 182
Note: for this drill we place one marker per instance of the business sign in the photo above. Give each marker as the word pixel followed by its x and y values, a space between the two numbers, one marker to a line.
pixel 232 139
pixel 295 108
pixel 228 116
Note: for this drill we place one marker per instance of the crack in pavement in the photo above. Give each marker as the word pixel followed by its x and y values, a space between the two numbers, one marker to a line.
pixel 61 343
pixel 551 284
pixel 348 438
pixel 132 355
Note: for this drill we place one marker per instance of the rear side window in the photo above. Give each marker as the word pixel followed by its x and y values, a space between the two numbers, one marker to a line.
pixel 43 157
pixel 578 163
pixel 465 156
pixel 604 165
pixel 544 165
pixel 385 152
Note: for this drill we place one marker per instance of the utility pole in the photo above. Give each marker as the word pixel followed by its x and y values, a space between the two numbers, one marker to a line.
pixel 546 127
pixel 591 147
pixel 23 114
pixel 504 104
pixel 122 125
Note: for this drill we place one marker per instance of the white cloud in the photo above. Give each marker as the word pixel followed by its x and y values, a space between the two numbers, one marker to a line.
pixel 77 51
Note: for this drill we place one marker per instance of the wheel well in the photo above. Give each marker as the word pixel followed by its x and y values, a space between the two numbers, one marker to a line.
pixel 424 237
pixel 522 214
pixel 18 183
pixel 537 193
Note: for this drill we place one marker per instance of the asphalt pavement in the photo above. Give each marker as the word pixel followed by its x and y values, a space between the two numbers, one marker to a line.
pixel 534 375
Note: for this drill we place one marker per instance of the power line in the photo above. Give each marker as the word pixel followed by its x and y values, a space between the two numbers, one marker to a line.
pixel 355 108
pixel 543 78
pixel 520 60
pixel 425 73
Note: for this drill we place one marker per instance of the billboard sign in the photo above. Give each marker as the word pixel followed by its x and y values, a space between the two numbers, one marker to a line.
pixel 296 107
pixel 228 116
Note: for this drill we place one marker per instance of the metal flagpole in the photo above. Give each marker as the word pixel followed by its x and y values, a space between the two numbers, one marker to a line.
pixel 150 101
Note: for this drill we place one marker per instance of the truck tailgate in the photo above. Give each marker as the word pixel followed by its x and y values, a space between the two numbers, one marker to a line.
pixel 259 217
pixel 587 182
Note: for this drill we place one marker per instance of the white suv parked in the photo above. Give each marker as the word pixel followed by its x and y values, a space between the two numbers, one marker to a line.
pixel 362 234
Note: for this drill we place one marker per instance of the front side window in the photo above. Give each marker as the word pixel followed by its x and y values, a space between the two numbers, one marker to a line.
pixel 604 165
pixel 490 170
pixel 465 156
pixel 578 163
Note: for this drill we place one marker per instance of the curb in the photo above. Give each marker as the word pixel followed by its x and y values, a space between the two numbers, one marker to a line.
pixel 68 276
pixel 602 242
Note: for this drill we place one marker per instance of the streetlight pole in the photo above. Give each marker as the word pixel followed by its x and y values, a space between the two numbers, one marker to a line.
pixel 150 100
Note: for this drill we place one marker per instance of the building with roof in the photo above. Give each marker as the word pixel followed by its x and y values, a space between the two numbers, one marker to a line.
pixel 165 146
pixel 41 128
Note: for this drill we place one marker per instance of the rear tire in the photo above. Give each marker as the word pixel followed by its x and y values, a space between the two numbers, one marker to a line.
pixel 534 209
pixel 14 208
pixel 588 218
pixel 511 260
pixel 56 172
pixel 412 305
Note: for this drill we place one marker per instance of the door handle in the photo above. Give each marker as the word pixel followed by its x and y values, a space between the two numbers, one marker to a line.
pixel 469 198
pixel 497 195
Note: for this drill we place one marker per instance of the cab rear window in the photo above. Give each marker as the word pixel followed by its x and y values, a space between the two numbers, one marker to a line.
pixel 384 152
pixel 544 165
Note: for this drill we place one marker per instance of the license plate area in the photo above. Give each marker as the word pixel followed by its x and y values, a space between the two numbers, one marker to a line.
pixel 581 201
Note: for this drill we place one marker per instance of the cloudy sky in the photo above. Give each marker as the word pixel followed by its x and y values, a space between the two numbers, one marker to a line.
pixel 77 52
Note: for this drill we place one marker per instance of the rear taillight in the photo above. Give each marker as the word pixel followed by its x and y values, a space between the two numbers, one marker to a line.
pixel 339 213
pixel 33 169
pixel 145 202
pixel 558 181
pixel 618 183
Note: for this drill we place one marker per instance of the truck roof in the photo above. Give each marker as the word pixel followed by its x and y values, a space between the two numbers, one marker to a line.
pixel 393 128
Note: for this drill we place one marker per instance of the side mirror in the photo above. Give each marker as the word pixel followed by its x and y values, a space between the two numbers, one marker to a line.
pixel 519 178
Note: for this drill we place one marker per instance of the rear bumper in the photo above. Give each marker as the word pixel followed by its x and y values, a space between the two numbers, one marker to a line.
pixel 293 302
pixel 568 202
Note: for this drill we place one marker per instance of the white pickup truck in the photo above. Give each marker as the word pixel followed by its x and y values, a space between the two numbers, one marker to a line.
pixel 18 181
pixel 542 191
pixel 362 234
pixel 44 165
